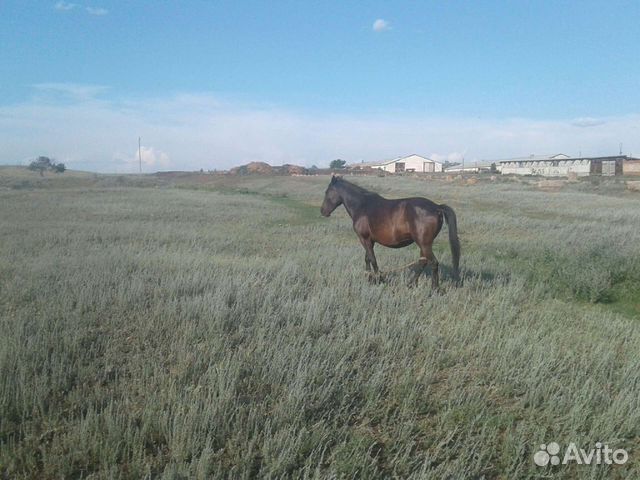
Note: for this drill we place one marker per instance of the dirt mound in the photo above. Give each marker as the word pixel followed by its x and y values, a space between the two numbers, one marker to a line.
pixel 293 170
pixel 262 168
pixel 259 168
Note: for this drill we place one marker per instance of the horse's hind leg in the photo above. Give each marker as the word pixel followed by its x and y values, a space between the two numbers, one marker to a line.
pixel 425 227
pixel 428 258
pixel 420 267
pixel 435 274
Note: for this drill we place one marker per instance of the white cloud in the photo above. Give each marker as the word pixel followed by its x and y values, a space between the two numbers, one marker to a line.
pixel 71 91
pixel 381 25
pixel 199 130
pixel 587 122
pixel 97 11
pixel 151 159
pixel 64 6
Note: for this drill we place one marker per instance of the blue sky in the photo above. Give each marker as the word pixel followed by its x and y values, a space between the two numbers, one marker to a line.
pixel 218 83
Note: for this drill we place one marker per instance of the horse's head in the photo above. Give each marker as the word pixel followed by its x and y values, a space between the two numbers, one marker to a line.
pixel 332 198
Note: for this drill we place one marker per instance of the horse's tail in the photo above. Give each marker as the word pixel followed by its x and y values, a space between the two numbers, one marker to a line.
pixel 454 241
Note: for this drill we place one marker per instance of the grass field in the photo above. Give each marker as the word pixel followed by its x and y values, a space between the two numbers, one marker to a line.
pixel 215 327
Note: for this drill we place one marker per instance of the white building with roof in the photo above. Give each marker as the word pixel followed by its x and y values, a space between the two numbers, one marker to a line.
pixel 410 163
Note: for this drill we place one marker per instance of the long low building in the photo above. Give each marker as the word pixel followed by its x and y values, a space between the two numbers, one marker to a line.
pixel 562 165
pixel 410 163
pixel 474 167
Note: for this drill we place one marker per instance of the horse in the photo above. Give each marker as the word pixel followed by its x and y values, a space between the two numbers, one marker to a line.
pixel 395 223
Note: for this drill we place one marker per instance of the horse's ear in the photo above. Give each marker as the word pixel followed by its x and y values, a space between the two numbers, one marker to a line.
pixel 333 178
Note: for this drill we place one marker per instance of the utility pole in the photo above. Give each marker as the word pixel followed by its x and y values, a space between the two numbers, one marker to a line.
pixel 139 154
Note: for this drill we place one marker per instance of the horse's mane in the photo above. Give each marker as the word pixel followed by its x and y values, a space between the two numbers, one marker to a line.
pixel 356 188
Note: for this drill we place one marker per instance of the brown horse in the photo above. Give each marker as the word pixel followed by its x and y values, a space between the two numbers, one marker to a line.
pixel 395 224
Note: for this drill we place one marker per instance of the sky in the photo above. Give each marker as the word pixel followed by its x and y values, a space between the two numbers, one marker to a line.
pixel 214 84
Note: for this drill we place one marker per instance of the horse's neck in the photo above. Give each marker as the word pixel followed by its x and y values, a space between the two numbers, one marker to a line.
pixel 353 201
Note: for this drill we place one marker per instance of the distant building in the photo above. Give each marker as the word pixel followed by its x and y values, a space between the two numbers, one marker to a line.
pixel 410 163
pixel 631 166
pixel 562 165
pixel 474 167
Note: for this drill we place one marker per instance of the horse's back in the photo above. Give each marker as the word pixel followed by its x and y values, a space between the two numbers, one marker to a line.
pixel 423 203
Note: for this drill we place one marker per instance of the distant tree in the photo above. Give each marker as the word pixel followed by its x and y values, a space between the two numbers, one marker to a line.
pixel 314 167
pixel 337 164
pixel 41 164
pixel 448 164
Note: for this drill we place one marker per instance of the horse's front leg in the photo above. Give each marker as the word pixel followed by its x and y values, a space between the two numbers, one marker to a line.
pixel 370 258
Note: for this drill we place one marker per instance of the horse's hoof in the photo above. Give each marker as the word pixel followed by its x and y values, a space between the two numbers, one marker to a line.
pixel 374 278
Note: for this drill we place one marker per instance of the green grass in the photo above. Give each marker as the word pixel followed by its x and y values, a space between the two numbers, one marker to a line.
pixel 225 329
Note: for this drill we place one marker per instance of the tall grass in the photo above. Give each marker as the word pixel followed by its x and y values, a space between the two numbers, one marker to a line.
pixel 229 331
